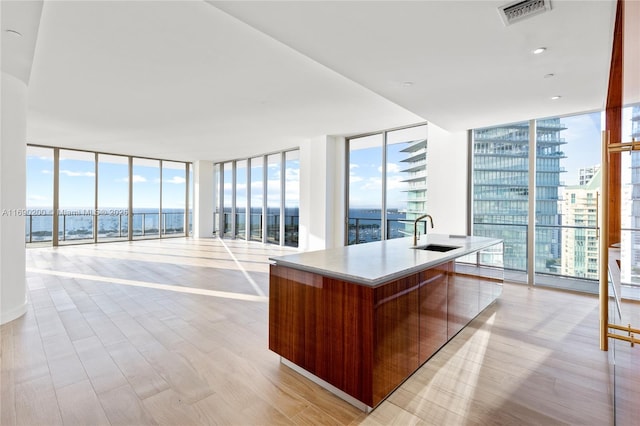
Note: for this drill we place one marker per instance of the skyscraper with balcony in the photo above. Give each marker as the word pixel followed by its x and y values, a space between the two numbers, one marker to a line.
pixel 579 232
pixel 416 181
pixel 634 273
pixel 501 191
pixel 585 174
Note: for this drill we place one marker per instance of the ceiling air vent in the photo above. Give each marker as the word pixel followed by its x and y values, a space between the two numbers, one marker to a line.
pixel 517 11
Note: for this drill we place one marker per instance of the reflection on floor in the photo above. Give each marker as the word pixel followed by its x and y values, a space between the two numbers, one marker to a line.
pixel 174 332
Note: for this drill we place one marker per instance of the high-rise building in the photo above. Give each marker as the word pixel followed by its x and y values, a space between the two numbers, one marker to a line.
pixel 587 173
pixel 501 190
pixel 634 240
pixel 416 180
pixel 579 232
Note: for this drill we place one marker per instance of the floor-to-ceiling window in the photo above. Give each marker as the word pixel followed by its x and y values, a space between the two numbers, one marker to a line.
pixel 630 200
pixel 190 198
pixel 77 176
pixel 39 219
pixel 501 188
pixel 146 198
pixel 549 155
pixel 86 196
pixel 217 178
pixel 254 192
pixel 568 158
pixel 365 189
pixel 113 197
pixel 241 199
pixel 274 197
pixel 174 189
pixel 566 186
pixel 387 183
pixel 228 202
pixel 406 180
pixel 291 198
pixel 257 198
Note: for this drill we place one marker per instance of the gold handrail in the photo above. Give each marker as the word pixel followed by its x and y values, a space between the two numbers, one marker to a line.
pixel 604 311
pixel 627 328
pixel 634 145
pixel 631 338
pixel 603 247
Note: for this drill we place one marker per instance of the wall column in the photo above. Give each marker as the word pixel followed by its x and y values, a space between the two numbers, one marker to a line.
pixel 447 191
pixel 13 189
pixel 322 192
pixel 203 199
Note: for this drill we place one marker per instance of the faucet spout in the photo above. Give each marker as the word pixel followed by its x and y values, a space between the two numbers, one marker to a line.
pixel 415 226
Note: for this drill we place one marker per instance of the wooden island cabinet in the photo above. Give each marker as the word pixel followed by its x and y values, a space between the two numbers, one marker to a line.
pixel 365 340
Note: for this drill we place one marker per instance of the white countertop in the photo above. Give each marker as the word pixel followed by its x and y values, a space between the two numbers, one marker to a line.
pixel 378 262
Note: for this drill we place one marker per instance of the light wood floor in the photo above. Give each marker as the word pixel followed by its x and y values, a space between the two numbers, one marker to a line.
pixel 174 332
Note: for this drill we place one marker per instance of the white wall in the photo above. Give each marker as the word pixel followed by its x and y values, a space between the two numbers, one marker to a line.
pixel 322 172
pixel 204 201
pixel 447 174
pixel 13 189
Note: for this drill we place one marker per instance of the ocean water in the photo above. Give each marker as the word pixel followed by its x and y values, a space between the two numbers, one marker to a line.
pixel 364 224
pixel 77 224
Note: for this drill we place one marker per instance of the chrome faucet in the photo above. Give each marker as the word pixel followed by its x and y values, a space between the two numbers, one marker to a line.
pixel 415 227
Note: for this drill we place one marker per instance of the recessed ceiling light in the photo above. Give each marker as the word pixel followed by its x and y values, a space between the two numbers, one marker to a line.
pixel 539 50
pixel 549 75
pixel 407 83
pixel 555 97
pixel 13 32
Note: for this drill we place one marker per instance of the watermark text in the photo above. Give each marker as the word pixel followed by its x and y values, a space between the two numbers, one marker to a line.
pixel 65 212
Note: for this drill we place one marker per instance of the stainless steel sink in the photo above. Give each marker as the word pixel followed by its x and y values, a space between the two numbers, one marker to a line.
pixel 436 247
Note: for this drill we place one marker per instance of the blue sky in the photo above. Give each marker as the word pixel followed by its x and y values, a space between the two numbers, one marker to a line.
pixel 77 183
pixel 583 137
pixel 365 168
pixel 292 183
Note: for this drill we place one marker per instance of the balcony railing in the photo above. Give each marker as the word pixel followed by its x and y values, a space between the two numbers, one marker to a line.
pixel 256 227
pixel 112 227
pixel 551 248
pixel 365 230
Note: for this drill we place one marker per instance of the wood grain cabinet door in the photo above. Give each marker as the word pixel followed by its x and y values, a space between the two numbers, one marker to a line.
pixel 433 310
pixel 396 334
pixel 462 300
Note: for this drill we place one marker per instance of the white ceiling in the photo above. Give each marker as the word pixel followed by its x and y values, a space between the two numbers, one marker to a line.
pixel 191 80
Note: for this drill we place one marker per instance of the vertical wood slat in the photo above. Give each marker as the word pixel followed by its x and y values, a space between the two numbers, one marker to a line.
pixel 611 166
pixel 613 120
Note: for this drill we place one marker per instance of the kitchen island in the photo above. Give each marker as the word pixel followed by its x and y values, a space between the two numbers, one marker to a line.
pixel 361 319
